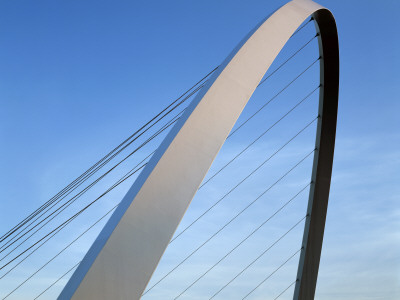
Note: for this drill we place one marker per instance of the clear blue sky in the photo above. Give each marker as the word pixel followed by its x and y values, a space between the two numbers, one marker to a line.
pixel 77 77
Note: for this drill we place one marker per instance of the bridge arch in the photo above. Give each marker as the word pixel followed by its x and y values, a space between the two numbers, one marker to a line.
pixel 124 256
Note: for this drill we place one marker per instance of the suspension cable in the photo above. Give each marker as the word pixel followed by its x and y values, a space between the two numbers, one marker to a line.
pixel 115 154
pixel 259 137
pixel 69 202
pixel 69 219
pixel 70 242
pixel 254 260
pixel 269 276
pixel 61 251
pixel 123 178
pixel 57 281
pixel 109 154
pixel 237 246
pixel 243 180
pixel 285 290
pixel 73 183
pixel 68 187
pixel 166 125
pixel 273 98
pixel 132 153
pixel 217 232
pixel 303 26
pixel 293 55
pixel 200 187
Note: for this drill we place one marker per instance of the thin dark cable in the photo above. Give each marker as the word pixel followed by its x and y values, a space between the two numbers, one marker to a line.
pixel 43 207
pixel 115 154
pixel 243 180
pixel 56 281
pixel 260 136
pixel 171 121
pixel 58 230
pixel 150 155
pixel 293 55
pixel 61 192
pixel 5 237
pixel 33 251
pixel 51 236
pixel 67 221
pixel 143 126
pixel 298 30
pixel 257 258
pixel 285 290
pixel 217 232
pixel 73 199
pixel 269 276
pixel 237 246
pixel 61 251
pixel 276 95
pixel 116 183
pixel 27 219
pixel 63 208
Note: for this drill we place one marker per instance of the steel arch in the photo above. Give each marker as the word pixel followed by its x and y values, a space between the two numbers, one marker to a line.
pixel 124 256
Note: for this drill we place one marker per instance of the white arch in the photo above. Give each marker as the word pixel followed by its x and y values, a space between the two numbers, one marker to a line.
pixel 123 258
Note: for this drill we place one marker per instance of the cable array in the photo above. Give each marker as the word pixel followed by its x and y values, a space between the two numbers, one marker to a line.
pixel 98 165
pixel 58 279
pixel 21 233
pixel 133 171
pixel 237 246
pixel 226 224
pixel 281 293
pixel 77 196
pixel 244 179
pixel 269 276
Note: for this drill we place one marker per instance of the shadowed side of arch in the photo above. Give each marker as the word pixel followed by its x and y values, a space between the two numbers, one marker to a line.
pixel 323 158
pixel 124 256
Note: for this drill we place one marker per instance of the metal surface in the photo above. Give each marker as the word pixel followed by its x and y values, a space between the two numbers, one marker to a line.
pixel 123 258
pixel 323 158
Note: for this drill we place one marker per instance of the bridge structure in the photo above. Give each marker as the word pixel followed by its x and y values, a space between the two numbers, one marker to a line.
pixel 121 262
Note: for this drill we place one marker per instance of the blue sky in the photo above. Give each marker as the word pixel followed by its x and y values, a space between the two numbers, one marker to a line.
pixel 79 77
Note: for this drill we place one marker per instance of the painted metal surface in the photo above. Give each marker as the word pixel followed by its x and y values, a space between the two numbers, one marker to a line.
pixel 323 158
pixel 123 258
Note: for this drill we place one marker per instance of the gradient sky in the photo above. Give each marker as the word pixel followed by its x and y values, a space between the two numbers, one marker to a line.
pixel 78 77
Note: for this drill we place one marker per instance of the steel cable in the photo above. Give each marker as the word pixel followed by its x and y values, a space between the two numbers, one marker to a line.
pixel 285 290
pixel 72 184
pixel 104 163
pixel 69 202
pixel 273 98
pixel 240 182
pixel 228 136
pixel 90 169
pixel 153 152
pixel 54 198
pixel 217 232
pixel 237 246
pixel 68 220
pixel 61 251
pixel 269 276
pixel 56 281
pixel 205 182
pixel 123 178
pixel 259 137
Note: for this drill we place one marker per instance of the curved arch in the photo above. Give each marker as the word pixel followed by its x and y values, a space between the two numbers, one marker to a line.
pixel 124 256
